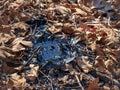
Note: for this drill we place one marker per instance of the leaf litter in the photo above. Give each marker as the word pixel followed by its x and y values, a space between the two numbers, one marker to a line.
pixel 59 44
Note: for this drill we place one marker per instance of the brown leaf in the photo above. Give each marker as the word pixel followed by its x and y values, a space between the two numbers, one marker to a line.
pixel 78 11
pixel 86 61
pixel 102 33
pixel 4 38
pixel 68 28
pixel 19 44
pixel 5 29
pixel 5 52
pixel 83 65
pixel 84 26
pixel 55 28
pixel 100 61
pixel 16 82
pixel 20 25
pixel 100 65
pixel 19 1
pixel 97 49
pixel 8 69
pixel 24 17
pixel 62 10
pixel 5 20
pixel 117 2
pixel 67 67
pixel 111 67
pixel 118 24
pixel 33 73
pixel 93 85
pixel 92 35
pixel 63 79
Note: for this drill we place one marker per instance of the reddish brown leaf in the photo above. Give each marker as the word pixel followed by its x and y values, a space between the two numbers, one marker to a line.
pixel 68 28
pixel 93 85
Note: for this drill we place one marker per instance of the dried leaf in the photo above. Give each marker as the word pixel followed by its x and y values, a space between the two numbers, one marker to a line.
pixel 8 69
pixel 63 79
pixel 17 82
pixel 5 29
pixel 93 85
pixel 82 65
pixel 84 26
pixel 33 73
pixel 4 38
pixel 118 24
pixel 68 67
pixel 97 49
pixel 55 28
pixel 24 17
pixel 86 61
pixel 5 52
pixel 68 28
pixel 19 44
pixel 62 10
pixel 117 2
pixel 19 1
pixel 100 64
pixel 20 25
pixel 78 11
pixel 91 35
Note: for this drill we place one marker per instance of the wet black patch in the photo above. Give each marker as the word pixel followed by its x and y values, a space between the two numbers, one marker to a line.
pixel 56 50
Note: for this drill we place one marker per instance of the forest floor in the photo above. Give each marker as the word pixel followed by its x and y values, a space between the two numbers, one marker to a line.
pixel 60 45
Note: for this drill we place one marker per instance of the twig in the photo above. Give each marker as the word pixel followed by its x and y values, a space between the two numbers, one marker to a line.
pixel 107 78
pixel 79 82
pixel 35 51
pixel 48 79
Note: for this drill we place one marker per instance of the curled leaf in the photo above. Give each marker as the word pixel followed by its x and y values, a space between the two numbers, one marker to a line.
pixel 16 82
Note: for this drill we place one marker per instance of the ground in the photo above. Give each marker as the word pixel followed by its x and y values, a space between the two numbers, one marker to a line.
pixel 60 45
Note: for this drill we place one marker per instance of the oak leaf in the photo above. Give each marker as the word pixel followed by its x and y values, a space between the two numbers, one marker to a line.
pixel 19 44
pixel 16 82
pixel 93 85
pixel 68 28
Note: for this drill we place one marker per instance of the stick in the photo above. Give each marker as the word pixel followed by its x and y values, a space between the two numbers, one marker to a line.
pixel 35 51
pixel 107 78
pixel 79 82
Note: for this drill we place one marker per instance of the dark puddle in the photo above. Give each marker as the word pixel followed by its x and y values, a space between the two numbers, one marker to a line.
pixel 55 53
pixel 56 50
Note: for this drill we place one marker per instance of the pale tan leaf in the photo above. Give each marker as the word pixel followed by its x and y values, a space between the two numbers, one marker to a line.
pixel 20 1
pixel 55 28
pixel 5 52
pixel 20 25
pixel 62 10
pixel 17 82
pixel 19 44
pixel 64 79
pixel 33 73
pixel 4 38
pixel 78 11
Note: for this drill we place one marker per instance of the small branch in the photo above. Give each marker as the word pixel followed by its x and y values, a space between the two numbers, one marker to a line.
pixel 48 79
pixel 107 78
pixel 34 53
pixel 79 82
